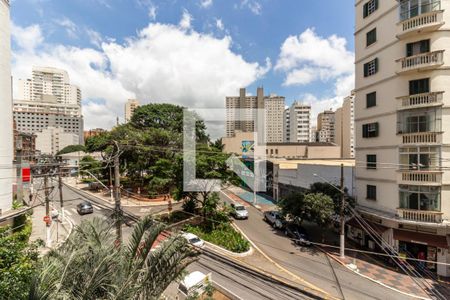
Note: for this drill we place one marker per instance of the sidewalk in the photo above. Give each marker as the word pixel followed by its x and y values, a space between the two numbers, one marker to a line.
pixel 59 230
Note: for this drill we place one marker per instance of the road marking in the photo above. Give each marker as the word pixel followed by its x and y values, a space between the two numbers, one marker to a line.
pixel 143 210
pixel 67 212
pixel 96 207
pixel 74 211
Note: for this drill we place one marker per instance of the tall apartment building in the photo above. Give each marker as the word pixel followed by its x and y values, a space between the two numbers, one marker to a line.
pixel 49 85
pixel 6 119
pixel 345 127
pixel 402 119
pixel 313 134
pixel 274 112
pixel 51 140
pixel 130 107
pixel 287 125
pixel 326 127
pixel 300 122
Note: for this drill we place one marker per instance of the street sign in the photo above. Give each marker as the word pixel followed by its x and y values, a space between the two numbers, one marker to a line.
pixel 47 220
pixel 26 174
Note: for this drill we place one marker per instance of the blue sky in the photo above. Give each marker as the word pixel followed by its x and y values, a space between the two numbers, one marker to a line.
pixel 173 50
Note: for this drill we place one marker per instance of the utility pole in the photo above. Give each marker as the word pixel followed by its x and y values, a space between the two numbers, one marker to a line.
pixel 61 202
pixel 118 208
pixel 19 171
pixel 48 240
pixel 342 236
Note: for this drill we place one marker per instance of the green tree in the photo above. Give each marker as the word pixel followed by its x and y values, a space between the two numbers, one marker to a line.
pixel 71 148
pixel 91 165
pixel 334 193
pixel 320 208
pixel 90 265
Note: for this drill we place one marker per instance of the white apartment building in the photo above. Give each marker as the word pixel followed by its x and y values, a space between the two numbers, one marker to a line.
pixel 6 119
pixel 274 114
pixel 130 107
pixel 52 139
pixel 49 85
pixel 401 119
pixel 300 122
pixel 287 125
pixel 326 127
pixel 345 127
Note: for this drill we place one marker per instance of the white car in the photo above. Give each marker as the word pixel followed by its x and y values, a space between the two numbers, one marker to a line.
pixel 239 211
pixel 194 240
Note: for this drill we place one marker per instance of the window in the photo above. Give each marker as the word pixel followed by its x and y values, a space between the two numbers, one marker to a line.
pixel 419 158
pixel 370 130
pixel 371 37
pixel 417 47
pixel 371 192
pixel 371 161
pixel 276 151
pixel 419 86
pixel 370 7
pixel 412 8
pixel 420 197
pixel 371 67
pixel 371 99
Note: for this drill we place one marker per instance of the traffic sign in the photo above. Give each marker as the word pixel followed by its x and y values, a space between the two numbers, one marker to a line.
pixel 47 220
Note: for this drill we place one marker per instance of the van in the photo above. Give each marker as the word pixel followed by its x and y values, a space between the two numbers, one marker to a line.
pixel 193 285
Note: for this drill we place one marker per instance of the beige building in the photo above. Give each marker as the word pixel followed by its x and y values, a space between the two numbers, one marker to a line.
pixel 299 122
pixel 130 107
pixel 287 125
pixel 51 140
pixel 49 85
pixel 283 150
pixel 274 114
pixel 326 127
pixel 401 116
pixel 345 127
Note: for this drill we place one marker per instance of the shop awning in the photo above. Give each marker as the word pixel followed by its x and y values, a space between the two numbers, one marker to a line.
pixel 377 227
pixel 421 238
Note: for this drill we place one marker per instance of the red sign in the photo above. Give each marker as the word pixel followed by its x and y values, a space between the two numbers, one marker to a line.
pixel 47 220
pixel 26 175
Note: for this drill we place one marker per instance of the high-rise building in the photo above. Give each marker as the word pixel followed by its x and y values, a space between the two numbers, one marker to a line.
pixel 313 134
pixel 326 127
pixel 300 122
pixel 49 85
pixel 273 106
pixel 51 140
pixel 345 127
pixel 287 125
pixel 130 107
pixel 6 119
pixel 401 120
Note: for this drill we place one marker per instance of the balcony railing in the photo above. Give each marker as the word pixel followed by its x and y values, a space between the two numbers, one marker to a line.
pixel 421 138
pixel 420 177
pixel 420 215
pixel 422 61
pixel 420 100
pixel 422 23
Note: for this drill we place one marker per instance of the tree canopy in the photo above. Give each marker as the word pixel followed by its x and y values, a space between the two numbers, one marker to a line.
pixel 71 148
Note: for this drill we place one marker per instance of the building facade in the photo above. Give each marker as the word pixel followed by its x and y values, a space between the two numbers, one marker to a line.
pixel 401 119
pixel 53 139
pixel 6 120
pixel 49 85
pixel 287 126
pixel 300 122
pixel 93 132
pixel 130 107
pixel 326 127
pixel 247 105
pixel 345 127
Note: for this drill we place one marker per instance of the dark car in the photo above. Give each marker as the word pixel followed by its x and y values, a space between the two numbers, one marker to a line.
pixel 85 208
pixel 297 234
pixel 275 219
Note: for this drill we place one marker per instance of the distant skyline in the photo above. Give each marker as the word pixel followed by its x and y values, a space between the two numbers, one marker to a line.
pixel 192 52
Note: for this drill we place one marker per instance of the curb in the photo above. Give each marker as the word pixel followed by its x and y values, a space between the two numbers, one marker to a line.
pixel 228 252
pixel 373 280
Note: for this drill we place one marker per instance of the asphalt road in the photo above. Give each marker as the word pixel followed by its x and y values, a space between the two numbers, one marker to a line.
pixel 310 264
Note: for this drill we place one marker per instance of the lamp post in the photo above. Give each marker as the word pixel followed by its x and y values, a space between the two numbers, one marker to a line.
pixel 342 217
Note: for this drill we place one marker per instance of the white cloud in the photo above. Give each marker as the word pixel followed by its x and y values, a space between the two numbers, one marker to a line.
pixel 309 57
pixel 253 5
pixel 27 38
pixel 152 12
pixel 69 26
pixel 163 63
pixel 94 37
pixel 186 19
pixel 219 24
pixel 206 3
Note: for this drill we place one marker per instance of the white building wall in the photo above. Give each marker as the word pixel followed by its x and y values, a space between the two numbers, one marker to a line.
pixel 6 120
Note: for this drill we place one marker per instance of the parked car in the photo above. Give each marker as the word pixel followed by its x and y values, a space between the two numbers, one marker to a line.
pixel 85 208
pixel 275 219
pixel 193 285
pixel 193 240
pixel 238 211
pixel 298 234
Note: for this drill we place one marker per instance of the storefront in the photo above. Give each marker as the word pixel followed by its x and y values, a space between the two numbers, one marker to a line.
pixel 360 236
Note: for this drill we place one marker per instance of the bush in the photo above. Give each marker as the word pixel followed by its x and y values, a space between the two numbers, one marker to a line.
pixel 223 235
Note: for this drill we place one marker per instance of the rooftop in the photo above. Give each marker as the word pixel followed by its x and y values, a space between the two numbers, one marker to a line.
pixel 293 164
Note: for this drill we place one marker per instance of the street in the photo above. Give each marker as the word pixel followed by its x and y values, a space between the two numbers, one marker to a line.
pixel 309 263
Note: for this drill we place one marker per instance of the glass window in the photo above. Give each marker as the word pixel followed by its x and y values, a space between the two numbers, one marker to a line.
pixel 412 8
pixel 371 192
pixel 371 99
pixel 371 161
pixel 371 37
pixel 420 158
pixel 419 86
pixel 417 47
pixel 420 198
pixel 370 130
pixel 370 7
pixel 371 67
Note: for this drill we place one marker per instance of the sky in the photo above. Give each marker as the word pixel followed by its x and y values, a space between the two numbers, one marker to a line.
pixel 192 53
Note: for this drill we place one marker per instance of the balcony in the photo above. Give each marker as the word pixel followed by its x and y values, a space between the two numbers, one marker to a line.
pixel 420 62
pixel 418 138
pixel 420 100
pixel 420 215
pixel 426 22
pixel 419 177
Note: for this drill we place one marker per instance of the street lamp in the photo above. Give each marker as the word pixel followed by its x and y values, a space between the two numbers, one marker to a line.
pixel 341 190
